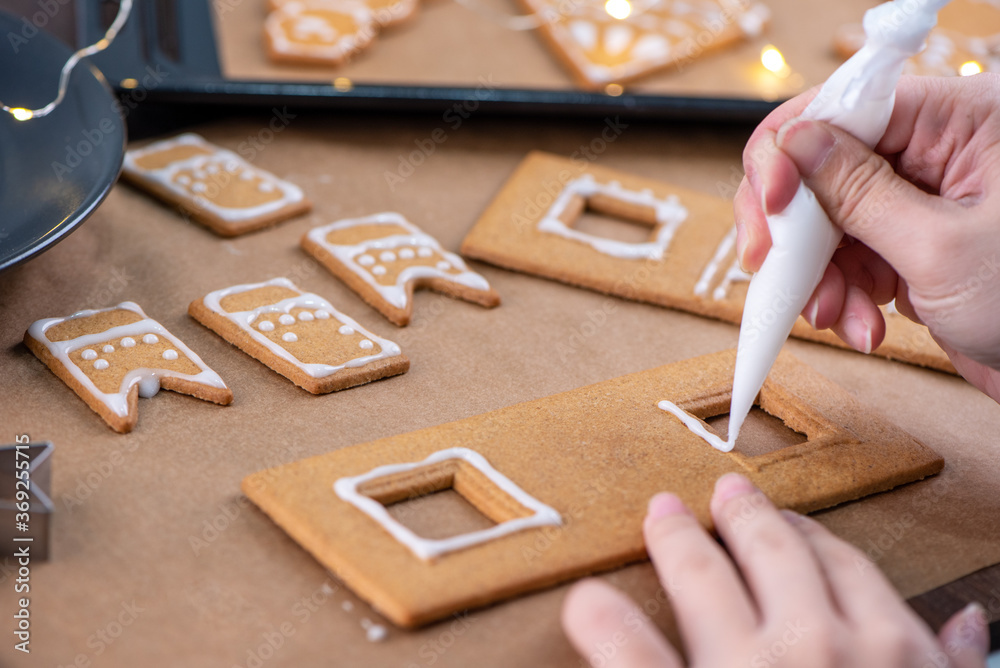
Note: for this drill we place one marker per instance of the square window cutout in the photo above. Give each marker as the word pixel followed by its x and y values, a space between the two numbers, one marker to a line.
pixel 567 218
pixel 416 502
pixel 761 433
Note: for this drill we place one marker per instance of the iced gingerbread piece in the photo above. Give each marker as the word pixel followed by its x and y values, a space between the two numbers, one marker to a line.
pixel 527 467
pixel 965 41
pixel 112 356
pixel 384 12
pixel 607 42
pixel 384 258
pixel 299 334
pixel 689 261
pixel 217 187
pixel 320 32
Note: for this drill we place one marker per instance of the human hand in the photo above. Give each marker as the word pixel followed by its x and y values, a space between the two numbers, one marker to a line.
pixel 790 594
pixel 922 215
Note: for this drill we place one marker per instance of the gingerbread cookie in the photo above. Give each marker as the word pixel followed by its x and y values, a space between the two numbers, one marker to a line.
pixel 384 258
pixel 966 41
pixel 299 334
pixel 318 32
pixel 689 261
pixel 112 356
pixel 218 188
pixel 615 41
pixel 565 481
pixel 384 12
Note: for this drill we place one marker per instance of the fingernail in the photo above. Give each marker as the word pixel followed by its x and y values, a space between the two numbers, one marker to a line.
pixel 859 334
pixel 793 517
pixel 808 144
pixel 813 313
pixel 732 485
pixel 972 630
pixel 664 504
pixel 741 243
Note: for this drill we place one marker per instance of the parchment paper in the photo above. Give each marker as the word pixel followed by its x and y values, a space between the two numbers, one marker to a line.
pixel 157 560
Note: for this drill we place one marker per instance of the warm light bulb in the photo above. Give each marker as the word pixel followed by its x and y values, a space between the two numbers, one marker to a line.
pixel 772 60
pixel 22 114
pixel 970 68
pixel 618 9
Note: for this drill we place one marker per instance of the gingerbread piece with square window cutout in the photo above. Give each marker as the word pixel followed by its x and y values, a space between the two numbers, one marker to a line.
pixel 565 481
pixel 688 260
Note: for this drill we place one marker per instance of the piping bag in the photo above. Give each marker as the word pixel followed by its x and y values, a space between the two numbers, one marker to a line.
pixel 858 98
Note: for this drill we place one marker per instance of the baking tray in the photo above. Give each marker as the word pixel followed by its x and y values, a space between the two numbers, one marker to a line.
pixel 447 57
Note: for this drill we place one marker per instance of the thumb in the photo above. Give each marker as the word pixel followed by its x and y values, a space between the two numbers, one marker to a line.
pixel 965 637
pixel 858 189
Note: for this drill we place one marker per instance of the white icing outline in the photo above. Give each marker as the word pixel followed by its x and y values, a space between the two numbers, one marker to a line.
pixel 245 320
pixel 430 548
pixel 696 426
pixel 344 46
pixel 733 275
pixel 147 379
pixel 669 213
pixel 164 177
pixel 395 294
pixel 749 21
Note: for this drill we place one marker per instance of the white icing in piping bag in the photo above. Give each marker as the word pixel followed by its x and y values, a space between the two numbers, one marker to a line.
pixel 859 98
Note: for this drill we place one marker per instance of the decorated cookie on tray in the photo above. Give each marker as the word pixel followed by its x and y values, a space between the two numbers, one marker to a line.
pixel 384 258
pixel 611 41
pixel 217 187
pixel 112 356
pixel 328 32
pixel 299 335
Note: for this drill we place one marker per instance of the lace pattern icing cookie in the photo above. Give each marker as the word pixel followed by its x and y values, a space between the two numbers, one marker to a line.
pixel 385 257
pixel 111 356
pixel 298 334
pixel 600 49
pixel 321 32
pixel 217 187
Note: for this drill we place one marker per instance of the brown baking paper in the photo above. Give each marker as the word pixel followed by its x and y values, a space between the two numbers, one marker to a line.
pixel 158 560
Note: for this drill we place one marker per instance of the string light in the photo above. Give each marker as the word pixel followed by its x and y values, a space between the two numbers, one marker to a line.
pixel 22 114
pixel 774 61
pixel 970 68
pixel 618 9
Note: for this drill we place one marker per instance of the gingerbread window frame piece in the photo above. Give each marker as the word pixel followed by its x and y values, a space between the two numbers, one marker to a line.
pixel 699 275
pixel 663 214
pixel 597 454
pixel 431 548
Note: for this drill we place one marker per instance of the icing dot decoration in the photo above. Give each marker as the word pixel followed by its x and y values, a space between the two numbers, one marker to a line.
pixel 366 345
pixel 89 354
pixel 128 342
pixel 346 330
pixel 101 365
pixel 265 326
pixel 287 319
pixel 322 315
pixel 170 354
pixel 425 252
pixel 387 256
pixel 265 187
pixel 306 316
pixel 407 254
pixel 378 270
pixel 366 260
pixel 150 338
pixel 443 266
pixel 290 337
pixel 108 348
